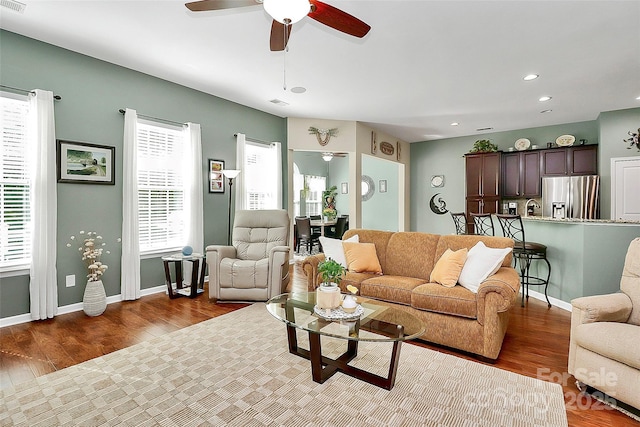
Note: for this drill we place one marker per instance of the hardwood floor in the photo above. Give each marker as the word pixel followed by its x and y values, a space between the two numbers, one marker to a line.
pixel 536 344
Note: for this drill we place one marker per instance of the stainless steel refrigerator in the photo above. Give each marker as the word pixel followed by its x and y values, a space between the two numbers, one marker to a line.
pixel 571 197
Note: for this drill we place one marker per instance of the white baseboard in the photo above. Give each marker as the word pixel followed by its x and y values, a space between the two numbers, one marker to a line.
pixel 554 301
pixel 25 318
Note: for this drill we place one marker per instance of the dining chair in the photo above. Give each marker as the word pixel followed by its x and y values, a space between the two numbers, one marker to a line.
pixel 305 234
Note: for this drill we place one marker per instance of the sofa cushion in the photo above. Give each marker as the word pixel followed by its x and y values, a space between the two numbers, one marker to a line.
pixel 354 279
pixel 611 340
pixel 411 254
pixel 456 301
pixel 244 274
pixel 361 257
pixel 630 282
pixel 390 288
pixel 448 267
pixel 333 248
pixel 377 237
pixel 481 263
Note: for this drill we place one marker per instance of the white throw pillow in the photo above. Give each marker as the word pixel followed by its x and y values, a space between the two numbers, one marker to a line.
pixel 481 263
pixel 333 249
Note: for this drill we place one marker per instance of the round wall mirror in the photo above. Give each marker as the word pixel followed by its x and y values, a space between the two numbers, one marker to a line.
pixel 368 187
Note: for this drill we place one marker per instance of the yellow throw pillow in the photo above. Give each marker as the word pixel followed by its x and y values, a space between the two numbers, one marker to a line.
pixel 448 268
pixel 361 257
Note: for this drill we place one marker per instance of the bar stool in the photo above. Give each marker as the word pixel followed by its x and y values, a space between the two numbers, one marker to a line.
pixel 525 252
pixel 460 222
pixel 483 224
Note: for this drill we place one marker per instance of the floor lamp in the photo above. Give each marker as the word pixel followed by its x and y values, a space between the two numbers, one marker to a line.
pixel 231 174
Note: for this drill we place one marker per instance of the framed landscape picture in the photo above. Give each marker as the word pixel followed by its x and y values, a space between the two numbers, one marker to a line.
pixel 84 163
pixel 216 178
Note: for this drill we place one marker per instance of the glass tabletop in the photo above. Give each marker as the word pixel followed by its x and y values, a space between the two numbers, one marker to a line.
pixel 379 322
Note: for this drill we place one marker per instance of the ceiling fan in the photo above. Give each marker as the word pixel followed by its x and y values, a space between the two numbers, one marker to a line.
pixel 285 13
pixel 327 156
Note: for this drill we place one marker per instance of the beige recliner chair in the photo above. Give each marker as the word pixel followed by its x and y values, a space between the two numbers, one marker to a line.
pixel 604 349
pixel 256 267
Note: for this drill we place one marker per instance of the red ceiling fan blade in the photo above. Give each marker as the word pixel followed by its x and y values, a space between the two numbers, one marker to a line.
pixel 337 19
pixel 279 35
pixel 204 5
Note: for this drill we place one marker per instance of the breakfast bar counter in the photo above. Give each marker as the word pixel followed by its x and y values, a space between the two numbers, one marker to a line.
pixel 587 255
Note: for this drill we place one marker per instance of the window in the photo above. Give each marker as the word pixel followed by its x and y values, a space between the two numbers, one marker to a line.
pixel 162 215
pixel 317 184
pixel 261 176
pixel 15 169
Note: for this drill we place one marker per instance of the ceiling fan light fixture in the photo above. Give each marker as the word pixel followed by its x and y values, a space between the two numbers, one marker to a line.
pixel 287 11
pixel 327 157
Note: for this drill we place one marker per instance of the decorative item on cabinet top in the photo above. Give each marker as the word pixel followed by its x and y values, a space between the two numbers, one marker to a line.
pixel 565 140
pixel 483 146
pixel 522 144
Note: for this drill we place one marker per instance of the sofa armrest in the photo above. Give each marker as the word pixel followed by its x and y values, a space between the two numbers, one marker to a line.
pixel 278 270
pixel 504 283
pixel 215 254
pixel 310 268
pixel 603 308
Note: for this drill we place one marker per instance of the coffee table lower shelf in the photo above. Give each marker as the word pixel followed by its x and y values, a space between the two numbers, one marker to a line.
pixel 323 368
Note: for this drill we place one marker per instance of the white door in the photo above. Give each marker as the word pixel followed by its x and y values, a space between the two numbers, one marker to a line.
pixel 625 196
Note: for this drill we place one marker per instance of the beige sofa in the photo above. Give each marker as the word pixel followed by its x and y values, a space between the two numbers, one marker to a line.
pixel 455 317
pixel 604 349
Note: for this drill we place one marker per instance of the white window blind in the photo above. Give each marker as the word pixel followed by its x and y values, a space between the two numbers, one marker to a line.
pixel 161 187
pixel 260 176
pixel 317 184
pixel 15 170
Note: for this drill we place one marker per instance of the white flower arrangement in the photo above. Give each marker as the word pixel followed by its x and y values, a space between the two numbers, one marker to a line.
pixel 91 250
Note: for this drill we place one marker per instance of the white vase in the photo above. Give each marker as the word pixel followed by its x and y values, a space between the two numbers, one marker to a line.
pixel 349 304
pixel 94 302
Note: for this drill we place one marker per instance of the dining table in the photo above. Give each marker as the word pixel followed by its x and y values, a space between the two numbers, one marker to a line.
pixel 322 223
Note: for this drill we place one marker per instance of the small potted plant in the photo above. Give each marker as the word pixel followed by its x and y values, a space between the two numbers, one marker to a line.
pixel 328 294
pixel 483 146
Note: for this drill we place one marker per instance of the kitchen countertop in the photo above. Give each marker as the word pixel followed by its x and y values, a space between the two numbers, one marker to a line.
pixel 579 221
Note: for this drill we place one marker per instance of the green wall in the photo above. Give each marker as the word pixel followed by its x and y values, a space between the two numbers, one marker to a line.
pixel 614 126
pixel 380 212
pixel 92 92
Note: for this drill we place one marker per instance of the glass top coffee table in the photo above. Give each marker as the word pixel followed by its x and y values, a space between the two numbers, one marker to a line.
pixel 378 323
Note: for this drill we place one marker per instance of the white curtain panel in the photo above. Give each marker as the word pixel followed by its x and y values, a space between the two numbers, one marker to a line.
pixel 276 147
pixel 43 286
pixel 238 182
pixel 130 263
pixel 194 194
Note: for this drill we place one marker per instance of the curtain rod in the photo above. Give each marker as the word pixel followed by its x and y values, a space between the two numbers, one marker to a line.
pixel 259 141
pixel 171 122
pixel 56 97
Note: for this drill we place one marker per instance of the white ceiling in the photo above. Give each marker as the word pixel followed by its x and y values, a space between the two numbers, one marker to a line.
pixel 423 65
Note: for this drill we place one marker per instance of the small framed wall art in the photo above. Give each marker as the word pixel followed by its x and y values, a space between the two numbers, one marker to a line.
pixel 382 185
pixel 84 163
pixel 216 178
pixel 345 188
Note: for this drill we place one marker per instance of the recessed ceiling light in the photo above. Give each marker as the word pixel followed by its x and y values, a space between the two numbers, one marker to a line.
pixel 544 98
pixel 546 111
pixel 298 89
pixel 455 124
pixel 529 77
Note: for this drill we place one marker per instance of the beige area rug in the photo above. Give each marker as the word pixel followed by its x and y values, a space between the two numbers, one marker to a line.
pixel 235 370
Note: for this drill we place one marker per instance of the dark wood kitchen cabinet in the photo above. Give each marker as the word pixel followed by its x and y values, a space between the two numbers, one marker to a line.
pixel 482 183
pixel 521 174
pixel 567 161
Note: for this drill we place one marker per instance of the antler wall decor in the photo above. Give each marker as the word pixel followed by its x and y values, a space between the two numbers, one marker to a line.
pixel 323 135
